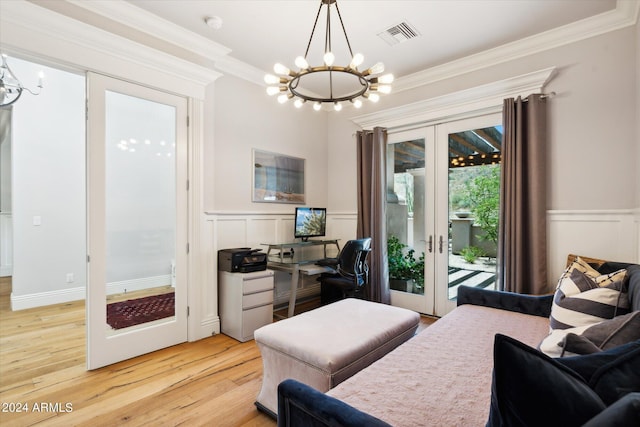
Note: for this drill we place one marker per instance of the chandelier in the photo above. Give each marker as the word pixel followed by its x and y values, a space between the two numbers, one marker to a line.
pixel 10 86
pixel 338 83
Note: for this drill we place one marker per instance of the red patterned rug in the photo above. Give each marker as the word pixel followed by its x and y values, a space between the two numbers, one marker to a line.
pixel 136 311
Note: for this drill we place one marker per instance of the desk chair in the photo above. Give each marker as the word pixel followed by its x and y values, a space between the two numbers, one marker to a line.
pixel 351 272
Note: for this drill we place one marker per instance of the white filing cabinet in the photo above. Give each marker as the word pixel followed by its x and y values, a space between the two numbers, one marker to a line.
pixel 246 302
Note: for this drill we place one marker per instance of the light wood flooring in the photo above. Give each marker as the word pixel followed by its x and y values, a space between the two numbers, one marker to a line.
pixel 210 382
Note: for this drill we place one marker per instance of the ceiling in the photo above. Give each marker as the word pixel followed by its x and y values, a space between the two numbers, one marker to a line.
pixel 472 147
pixel 260 32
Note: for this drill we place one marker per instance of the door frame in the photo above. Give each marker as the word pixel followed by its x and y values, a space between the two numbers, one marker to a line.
pixel 103 346
pixel 424 303
pixel 435 299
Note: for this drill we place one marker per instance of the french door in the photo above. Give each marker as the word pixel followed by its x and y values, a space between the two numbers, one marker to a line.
pixel 439 180
pixel 137 225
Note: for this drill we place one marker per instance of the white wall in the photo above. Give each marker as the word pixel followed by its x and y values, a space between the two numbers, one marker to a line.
pixel 593 142
pixel 592 120
pixel 48 169
pixel 5 159
pixel 6 229
pixel 245 117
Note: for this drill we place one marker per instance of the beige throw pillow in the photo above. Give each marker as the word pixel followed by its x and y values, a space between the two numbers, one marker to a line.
pixel 585 297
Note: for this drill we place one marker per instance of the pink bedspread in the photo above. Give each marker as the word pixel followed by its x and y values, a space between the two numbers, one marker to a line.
pixel 442 376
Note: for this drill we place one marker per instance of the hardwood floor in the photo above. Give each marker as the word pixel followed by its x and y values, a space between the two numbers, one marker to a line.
pixel 213 381
pixel 210 382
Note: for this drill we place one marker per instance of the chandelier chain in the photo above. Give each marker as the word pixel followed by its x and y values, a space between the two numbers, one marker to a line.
pixel 313 30
pixel 344 30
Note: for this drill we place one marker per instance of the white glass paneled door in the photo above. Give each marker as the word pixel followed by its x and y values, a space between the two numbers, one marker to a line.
pixel 441 201
pixel 137 174
pixel 410 218
pixel 467 205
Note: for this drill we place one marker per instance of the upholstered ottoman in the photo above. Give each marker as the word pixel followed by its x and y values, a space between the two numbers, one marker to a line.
pixel 325 346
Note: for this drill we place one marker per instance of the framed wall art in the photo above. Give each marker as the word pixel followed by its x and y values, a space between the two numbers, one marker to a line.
pixel 277 178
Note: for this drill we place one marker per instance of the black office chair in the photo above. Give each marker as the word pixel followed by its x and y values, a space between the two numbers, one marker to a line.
pixel 350 272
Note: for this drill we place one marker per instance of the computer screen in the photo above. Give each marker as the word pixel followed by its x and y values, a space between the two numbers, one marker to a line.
pixel 310 222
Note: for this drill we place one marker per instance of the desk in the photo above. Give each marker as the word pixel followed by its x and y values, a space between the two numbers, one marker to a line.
pixel 296 258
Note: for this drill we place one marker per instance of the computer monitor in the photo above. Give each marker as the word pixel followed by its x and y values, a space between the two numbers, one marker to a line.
pixel 310 222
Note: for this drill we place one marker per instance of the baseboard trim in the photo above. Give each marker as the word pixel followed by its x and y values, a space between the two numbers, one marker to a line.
pixel 138 284
pixel 23 302
pixel 40 299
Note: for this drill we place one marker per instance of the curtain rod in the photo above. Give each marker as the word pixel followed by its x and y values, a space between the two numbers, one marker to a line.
pixel 542 96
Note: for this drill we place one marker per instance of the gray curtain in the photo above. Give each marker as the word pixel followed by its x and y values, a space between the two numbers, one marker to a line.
pixel 522 241
pixel 372 207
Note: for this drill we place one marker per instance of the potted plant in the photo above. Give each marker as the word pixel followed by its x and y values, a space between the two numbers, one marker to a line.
pixel 405 272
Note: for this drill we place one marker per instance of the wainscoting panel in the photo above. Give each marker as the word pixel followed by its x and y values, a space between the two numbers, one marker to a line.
pixel 261 230
pixel 230 232
pixel 6 239
pixel 612 235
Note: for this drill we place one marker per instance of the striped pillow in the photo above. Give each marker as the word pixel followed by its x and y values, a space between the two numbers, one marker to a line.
pixel 584 296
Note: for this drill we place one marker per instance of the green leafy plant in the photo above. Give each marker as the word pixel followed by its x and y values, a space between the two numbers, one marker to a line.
pixel 402 262
pixel 471 253
pixel 484 197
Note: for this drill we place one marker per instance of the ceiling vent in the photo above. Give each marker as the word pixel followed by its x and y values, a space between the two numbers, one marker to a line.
pixel 399 33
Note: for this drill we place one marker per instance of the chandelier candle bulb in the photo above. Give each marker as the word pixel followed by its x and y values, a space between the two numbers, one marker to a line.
pixel 376 69
pixel 357 60
pixel 329 58
pixel 337 106
pixel 302 63
pixel 386 79
pixel 317 106
pixel 270 79
pixel 272 90
pixel 281 69
pixel 284 98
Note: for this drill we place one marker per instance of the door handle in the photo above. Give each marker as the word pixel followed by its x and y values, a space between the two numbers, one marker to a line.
pixel 430 244
pixel 441 243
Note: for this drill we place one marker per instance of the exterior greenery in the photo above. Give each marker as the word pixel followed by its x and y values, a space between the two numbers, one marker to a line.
pixel 471 253
pixel 402 262
pixel 484 200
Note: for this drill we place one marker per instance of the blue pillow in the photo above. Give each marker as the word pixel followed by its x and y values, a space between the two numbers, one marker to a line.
pixel 624 413
pixel 633 272
pixel 531 389
pixel 633 276
pixel 611 373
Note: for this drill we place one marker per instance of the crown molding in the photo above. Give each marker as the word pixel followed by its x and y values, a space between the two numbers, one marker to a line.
pixel 625 14
pixel 34 31
pixel 155 26
pixel 485 98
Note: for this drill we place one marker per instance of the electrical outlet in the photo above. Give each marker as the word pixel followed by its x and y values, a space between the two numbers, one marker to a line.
pixel 70 278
